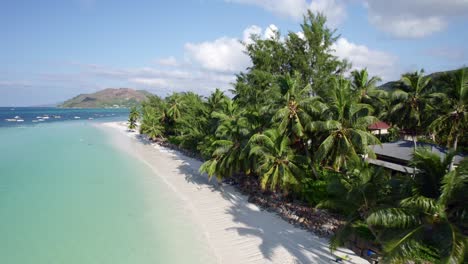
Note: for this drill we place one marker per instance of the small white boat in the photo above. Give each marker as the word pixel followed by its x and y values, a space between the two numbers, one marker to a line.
pixel 57 116
pixel 19 120
pixel 90 118
pixel 10 119
pixel 45 117
pixel 77 117
pixel 40 120
pixel 17 117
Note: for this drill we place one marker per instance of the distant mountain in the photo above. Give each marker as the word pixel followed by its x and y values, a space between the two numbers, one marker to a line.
pixel 437 78
pixel 110 97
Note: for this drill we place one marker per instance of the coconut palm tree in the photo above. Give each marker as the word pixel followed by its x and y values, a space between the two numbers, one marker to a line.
pixel 430 224
pixel 174 102
pixel 455 118
pixel 344 126
pixel 231 137
pixel 410 102
pixel 133 118
pixel 362 86
pixel 355 194
pixel 215 100
pixel 297 107
pixel 151 123
pixel 278 165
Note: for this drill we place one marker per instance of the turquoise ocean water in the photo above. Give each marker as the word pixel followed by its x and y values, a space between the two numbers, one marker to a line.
pixel 68 195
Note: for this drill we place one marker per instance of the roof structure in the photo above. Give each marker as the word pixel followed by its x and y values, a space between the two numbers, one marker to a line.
pixel 379 125
pixel 390 165
pixel 401 151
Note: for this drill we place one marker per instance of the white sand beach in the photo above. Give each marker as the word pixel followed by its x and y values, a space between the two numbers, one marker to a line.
pixel 235 230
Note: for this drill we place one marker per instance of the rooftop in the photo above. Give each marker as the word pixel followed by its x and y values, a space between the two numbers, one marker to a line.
pixel 403 150
pixel 379 125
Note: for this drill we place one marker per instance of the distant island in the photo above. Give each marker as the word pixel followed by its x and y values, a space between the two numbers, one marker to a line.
pixel 108 98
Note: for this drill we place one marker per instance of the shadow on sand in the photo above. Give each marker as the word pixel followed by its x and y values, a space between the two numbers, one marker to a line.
pixel 273 231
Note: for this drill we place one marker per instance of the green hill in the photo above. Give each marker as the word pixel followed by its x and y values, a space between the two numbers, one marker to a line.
pixel 437 80
pixel 111 97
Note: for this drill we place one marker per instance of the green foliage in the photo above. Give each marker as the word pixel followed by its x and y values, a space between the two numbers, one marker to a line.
pixel 453 118
pixel 427 226
pixel 343 126
pixel 277 163
pixel 133 118
pixel 299 127
pixel 356 195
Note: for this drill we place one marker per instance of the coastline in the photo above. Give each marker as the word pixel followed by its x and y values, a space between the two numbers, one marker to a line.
pixel 237 231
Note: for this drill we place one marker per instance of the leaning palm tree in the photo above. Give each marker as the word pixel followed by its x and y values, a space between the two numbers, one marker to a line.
pixel 430 224
pixel 278 165
pixel 344 127
pixel 455 118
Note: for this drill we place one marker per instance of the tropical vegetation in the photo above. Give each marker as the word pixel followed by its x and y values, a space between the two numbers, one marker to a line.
pixel 297 123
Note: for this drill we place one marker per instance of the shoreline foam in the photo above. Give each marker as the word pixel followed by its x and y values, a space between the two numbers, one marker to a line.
pixel 236 230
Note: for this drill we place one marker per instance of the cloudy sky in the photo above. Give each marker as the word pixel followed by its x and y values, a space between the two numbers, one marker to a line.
pixel 51 50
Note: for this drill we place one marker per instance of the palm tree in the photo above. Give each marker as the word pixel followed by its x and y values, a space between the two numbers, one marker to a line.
pixel 151 123
pixel 366 91
pixel 215 100
pixel 427 226
pixel 278 165
pixel 344 126
pixel 298 106
pixel 174 102
pixel 231 137
pixel 355 194
pixel 133 118
pixel 411 101
pixel 455 118
pixel 362 86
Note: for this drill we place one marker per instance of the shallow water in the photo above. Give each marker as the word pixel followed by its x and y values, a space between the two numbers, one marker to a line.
pixel 68 195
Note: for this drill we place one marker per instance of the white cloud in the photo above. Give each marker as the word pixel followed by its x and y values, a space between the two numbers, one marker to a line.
pixel 169 61
pixel 159 81
pixel 377 62
pixel 155 82
pixel 249 31
pixel 226 54
pixel 223 54
pixel 416 18
pixel 335 10
pixel 270 32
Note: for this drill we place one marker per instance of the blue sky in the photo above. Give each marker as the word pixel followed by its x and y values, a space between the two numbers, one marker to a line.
pixel 52 50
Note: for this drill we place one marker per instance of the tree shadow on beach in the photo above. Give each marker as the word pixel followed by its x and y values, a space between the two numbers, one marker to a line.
pixel 143 139
pixel 273 231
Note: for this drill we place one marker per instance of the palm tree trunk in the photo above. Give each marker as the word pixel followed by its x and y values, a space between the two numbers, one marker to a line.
pixel 414 150
pixel 455 145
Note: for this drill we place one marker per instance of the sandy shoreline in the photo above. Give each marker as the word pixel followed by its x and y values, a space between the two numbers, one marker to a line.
pixel 236 230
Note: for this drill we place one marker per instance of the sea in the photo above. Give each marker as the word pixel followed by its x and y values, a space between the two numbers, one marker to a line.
pixel 69 195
